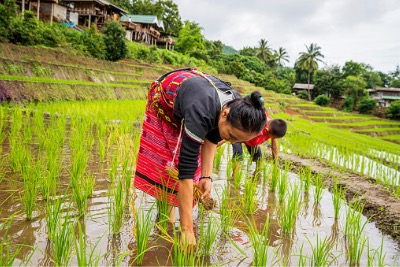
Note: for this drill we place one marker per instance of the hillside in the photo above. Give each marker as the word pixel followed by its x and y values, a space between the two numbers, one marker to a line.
pixel 46 74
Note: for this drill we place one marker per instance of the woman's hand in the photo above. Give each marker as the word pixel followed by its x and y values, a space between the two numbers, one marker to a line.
pixel 188 240
pixel 205 186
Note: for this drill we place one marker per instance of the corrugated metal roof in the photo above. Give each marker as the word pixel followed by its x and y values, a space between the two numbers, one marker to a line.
pixel 303 86
pixel 143 19
pixel 391 97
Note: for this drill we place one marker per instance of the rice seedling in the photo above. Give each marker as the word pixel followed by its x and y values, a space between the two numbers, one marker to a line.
pixel 249 196
pixel 282 187
pixel 113 171
pixel 230 168
pixel 142 227
pixel 305 176
pixel 16 125
pixel 79 195
pixel 209 232
pixel 259 242
pixel 337 197
pixel 289 211
pixel 116 203
pixel 82 256
pixel 163 210
pixel 321 252
pixel 225 210
pixel 218 156
pixel 53 216
pixel 30 175
pixel 127 173
pixel 302 262
pixel 355 239
pixel 62 242
pixel 8 251
pixel 273 182
pixel 183 255
pixel 376 257
pixel 318 191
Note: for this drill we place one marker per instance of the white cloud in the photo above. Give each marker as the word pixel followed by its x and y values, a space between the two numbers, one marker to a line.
pixel 365 31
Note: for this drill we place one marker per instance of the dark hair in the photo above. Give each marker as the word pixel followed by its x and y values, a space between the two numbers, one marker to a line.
pixel 247 113
pixel 278 128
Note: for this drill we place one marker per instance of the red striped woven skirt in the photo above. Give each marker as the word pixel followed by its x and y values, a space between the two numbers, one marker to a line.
pixel 158 142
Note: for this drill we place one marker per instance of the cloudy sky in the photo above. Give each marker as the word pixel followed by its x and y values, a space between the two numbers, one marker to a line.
pixel 366 31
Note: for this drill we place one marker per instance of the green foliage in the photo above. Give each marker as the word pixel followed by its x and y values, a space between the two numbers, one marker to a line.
pixel 25 30
pixel 395 83
pixel 352 68
pixel 302 95
pixel 8 11
pixel 166 10
pixel 393 111
pixel 328 81
pixel 94 42
pixel 114 40
pixel 227 50
pixel 349 103
pixel 190 38
pixel 366 105
pixel 322 100
pixel 355 87
pixel 309 61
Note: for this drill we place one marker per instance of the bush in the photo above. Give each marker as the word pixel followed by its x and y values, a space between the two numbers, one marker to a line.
pixel 366 105
pixel 348 103
pixel 322 100
pixel 94 43
pixel 8 11
pixel 25 29
pixel 114 40
pixel 393 111
pixel 302 95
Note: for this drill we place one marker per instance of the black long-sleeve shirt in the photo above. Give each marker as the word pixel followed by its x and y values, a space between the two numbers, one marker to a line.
pixel 199 104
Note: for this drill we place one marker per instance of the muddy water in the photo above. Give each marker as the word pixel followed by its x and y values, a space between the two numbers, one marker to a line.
pixel 312 220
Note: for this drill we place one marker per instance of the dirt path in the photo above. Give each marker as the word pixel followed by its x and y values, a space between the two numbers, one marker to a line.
pixel 382 206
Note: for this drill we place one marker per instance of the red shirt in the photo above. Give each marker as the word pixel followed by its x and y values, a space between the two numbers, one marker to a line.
pixel 261 137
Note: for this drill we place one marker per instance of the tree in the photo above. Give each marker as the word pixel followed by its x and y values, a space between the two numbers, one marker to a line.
pixel 281 56
pixel 8 11
pixel 366 105
pixel 355 87
pixel 322 100
pixel 328 81
pixel 264 52
pixel 190 38
pixel 309 61
pixel 352 68
pixel 393 111
pixel 114 40
pixel 166 10
pixel 248 51
pixel 395 83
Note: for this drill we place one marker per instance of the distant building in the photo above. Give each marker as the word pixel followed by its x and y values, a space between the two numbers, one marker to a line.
pixel 93 11
pixel 297 87
pixel 148 29
pixel 384 96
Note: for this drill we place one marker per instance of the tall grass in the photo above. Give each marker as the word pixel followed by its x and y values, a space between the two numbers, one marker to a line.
pixel 116 201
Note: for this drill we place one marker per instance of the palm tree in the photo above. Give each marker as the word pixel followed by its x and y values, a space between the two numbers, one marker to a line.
pixel 280 56
pixel 264 52
pixel 309 61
